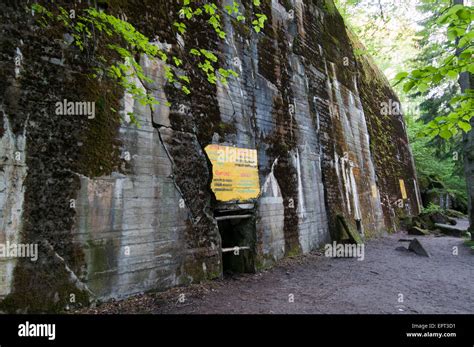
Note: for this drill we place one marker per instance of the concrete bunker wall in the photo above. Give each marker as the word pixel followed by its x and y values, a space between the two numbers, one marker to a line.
pixel 143 215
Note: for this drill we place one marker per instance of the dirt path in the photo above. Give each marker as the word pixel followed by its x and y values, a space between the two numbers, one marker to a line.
pixel 443 283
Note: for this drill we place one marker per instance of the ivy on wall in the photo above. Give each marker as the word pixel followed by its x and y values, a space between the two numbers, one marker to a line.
pixel 132 43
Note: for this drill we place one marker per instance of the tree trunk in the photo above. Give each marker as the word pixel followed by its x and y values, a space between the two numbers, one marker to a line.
pixel 465 82
pixel 468 148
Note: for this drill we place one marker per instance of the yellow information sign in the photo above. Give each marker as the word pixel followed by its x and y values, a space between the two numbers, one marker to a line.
pixel 235 172
pixel 374 191
pixel 402 189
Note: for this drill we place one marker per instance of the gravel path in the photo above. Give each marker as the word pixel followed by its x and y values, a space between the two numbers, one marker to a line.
pixel 386 281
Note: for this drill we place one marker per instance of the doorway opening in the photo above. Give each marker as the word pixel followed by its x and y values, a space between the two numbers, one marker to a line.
pixel 359 226
pixel 238 235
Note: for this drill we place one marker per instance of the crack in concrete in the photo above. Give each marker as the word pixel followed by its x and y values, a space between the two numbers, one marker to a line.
pixel 74 279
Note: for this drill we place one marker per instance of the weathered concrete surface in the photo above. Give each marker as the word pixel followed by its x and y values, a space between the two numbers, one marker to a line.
pixel 130 209
pixel 12 176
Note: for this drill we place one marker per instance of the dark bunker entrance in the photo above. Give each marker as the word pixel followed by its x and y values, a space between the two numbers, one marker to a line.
pixel 238 235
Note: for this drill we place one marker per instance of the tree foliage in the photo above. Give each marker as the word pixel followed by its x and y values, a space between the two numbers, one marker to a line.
pixel 457 21
pixel 431 168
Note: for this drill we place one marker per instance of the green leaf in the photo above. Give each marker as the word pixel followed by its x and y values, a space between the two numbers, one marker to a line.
pixel 452 34
pixel 185 90
pixel 445 134
pixel 452 74
pixel 464 126
pixel 401 75
pixel 177 61
pixel 422 87
pixel 464 14
pixel 195 52
pixel 433 133
pixel 408 86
